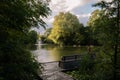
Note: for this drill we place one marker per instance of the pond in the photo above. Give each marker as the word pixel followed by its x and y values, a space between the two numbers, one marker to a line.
pixel 48 53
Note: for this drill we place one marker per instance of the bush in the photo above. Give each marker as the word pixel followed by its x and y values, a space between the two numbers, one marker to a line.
pixel 98 68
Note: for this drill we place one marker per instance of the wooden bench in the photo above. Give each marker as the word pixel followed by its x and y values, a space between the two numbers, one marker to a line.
pixel 70 62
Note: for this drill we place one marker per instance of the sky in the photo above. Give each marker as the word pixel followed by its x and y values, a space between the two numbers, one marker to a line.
pixel 81 8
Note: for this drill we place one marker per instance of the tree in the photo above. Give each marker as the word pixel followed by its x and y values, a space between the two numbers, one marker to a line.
pixel 110 28
pixel 47 32
pixel 88 38
pixel 96 23
pixel 44 38
pixel 32 37
pixel 94 16
pixel 16 18
pixel 29 39
pixel 66 29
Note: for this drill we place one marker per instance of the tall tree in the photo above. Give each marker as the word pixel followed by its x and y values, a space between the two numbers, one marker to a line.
pixel 44 37
pixel 16 18
pixel 66 29
pixel 111 18
pixel 96 25
pixel 94 16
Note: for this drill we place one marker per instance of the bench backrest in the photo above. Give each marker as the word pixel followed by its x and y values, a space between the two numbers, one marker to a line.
pixel 72 57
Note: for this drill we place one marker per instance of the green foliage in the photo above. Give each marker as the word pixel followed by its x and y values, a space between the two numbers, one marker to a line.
pixel 47 32
pixel 108 22
pixel 29 38
pixel 33 37
pixel 16 18
pixel 22 14
pixel 66 29
pixel 44 38
pixel 94 68
pixel 96 26
pixel 105 26
pixel 94 16
pixel 17 63
pixel 88 36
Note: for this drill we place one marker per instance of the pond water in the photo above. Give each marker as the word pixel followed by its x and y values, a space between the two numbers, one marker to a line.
pixel 48 53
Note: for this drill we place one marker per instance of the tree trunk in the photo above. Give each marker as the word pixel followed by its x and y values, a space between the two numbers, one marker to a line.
pixel 116 43
pixel 115 61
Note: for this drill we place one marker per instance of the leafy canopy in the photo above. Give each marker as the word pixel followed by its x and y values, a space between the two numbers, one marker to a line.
pixel 65 29
pixel 16 18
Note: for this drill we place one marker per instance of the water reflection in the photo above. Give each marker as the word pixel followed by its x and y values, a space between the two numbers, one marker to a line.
pixel 48 53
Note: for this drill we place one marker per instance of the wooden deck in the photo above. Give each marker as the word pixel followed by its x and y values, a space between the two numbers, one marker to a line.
pixel 52 71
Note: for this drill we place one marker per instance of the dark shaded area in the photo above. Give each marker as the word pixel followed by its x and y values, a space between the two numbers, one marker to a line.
pixel 16 19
